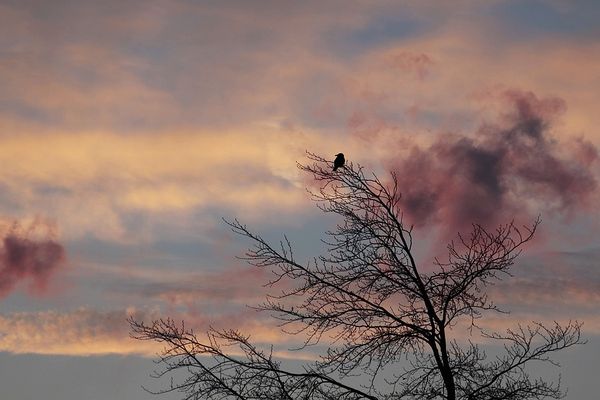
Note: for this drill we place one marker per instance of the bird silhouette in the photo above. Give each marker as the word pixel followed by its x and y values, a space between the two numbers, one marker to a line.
pixel 339 161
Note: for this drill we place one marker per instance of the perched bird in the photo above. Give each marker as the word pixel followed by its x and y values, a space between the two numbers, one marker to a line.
pixel 339 161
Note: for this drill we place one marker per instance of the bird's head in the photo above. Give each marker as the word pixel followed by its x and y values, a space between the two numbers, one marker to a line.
pixel 339 154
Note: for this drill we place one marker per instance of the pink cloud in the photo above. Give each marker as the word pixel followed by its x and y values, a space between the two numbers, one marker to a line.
pixel 510 168
pixel 23 258
pixel 404 62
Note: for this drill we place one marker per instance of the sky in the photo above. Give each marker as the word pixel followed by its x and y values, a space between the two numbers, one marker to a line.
pixel 129 129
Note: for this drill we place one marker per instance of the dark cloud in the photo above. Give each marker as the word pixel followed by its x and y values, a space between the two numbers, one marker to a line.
pixel 497 174
pixel 25 258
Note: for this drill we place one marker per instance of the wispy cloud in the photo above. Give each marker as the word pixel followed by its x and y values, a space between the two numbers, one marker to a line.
pixel 80 332
pixel 208 289
pixel 86 331
pixel 154 174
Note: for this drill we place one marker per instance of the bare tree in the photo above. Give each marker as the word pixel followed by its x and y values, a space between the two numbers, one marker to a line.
pixel 379 314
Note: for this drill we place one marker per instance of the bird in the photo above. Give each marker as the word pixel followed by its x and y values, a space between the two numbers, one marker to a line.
pixel 339 161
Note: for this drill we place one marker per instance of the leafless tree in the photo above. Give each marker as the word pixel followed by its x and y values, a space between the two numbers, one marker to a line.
pixel 378 313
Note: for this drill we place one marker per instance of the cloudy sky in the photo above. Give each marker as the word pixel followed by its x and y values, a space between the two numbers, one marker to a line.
pixel 128 129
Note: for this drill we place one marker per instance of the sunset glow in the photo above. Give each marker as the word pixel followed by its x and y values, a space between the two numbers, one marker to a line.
pixel 129 129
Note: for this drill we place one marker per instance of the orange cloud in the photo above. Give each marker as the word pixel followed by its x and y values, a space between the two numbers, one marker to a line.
pixel 82 332
pixel 85 332
pixel 252 173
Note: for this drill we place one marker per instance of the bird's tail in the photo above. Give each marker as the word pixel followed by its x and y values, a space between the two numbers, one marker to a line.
pixel 335 168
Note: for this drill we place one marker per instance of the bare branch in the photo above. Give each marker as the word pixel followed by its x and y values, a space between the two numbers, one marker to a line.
pixel 377 312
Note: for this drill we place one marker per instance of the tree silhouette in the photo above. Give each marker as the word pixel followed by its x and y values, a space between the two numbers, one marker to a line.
pixel 379 314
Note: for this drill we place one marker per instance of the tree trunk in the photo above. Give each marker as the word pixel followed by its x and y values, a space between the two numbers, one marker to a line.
pixel 449 383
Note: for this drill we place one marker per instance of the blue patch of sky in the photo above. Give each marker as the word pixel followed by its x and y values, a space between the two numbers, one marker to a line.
pixel 305 236
pixel 536 17
pixel 105 252
pixel 190 255
pixel 160 253
pixel 52 190
pixel 381 31
pixel 20 300
pixel 10 203
pixel 27 112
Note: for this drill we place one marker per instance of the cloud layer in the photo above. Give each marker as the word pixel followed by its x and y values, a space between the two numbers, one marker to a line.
pixel 86 331
pixel 143 123
pixel 80 332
